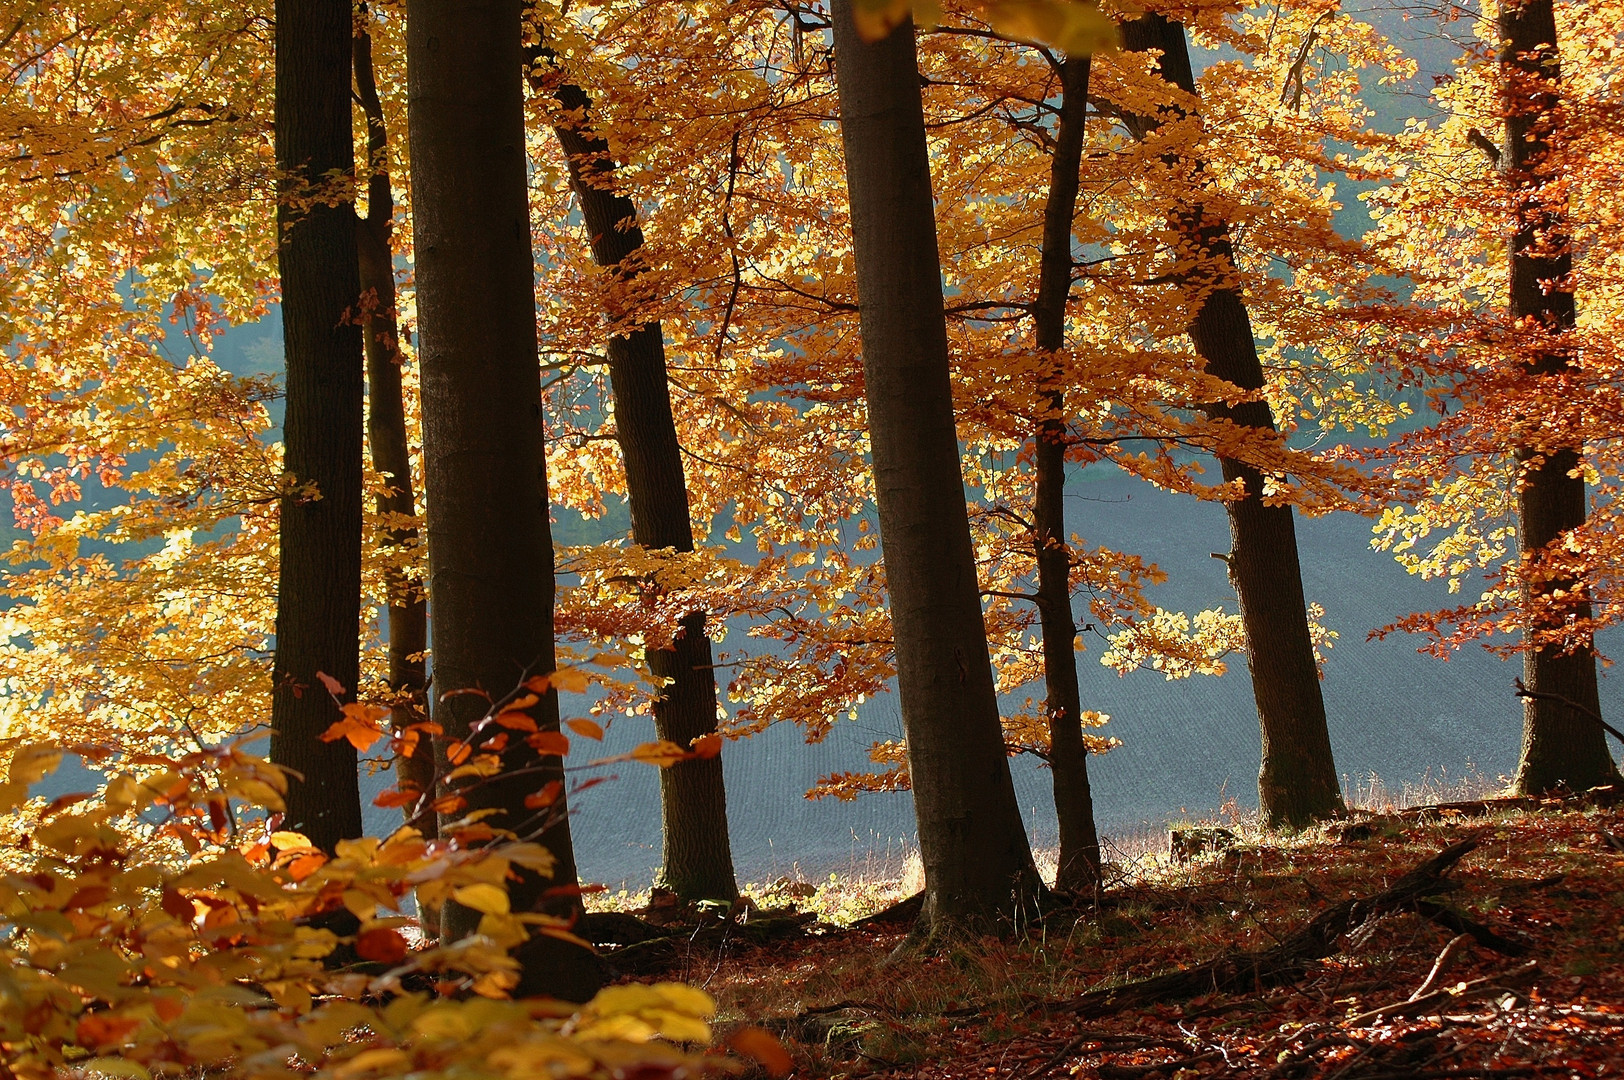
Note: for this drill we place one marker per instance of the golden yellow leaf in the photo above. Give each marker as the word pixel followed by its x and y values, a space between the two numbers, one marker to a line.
pixel 1076 27
pixel 33 761
pixel 480 896
pixel 876 18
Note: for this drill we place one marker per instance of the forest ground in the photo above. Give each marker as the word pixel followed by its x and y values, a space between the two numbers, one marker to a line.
pixel 1540 992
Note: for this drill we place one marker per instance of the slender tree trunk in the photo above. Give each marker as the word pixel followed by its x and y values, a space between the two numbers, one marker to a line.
pixel 1560 747
pixel 1298 782
pixel 697 856
pixel 978 865
pixel 318 610
pixel 490 545
pixel 391 454
pixel 1079 869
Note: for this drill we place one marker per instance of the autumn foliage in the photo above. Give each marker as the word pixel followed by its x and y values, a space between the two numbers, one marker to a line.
pixel 162 923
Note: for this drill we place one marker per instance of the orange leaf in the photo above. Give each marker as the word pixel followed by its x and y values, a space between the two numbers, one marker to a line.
pixel 383 945
pixel 448 804
pixel 458 752
pixel 586 729
pixel 98 1029
pixel 708 746
pixel 305 865
pixel 550 742
pixel 764 1048
pixel 545 797
pixel 517 721
pixel 360 733
pixel 570 680
pixel 334 687
pixel 396 797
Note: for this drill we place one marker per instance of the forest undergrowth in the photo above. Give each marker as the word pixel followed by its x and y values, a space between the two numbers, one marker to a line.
pixel 1454 945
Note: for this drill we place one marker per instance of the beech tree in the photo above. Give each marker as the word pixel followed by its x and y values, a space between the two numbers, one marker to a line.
pixel 1561 746
pixel 406 610
pixel 1298 780
pixel 1078 870
pixel 978 865
pixel 490 547
pixel 696 854
pixel 319 584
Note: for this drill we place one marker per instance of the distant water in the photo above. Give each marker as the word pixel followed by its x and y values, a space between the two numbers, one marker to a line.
pixel 1189 745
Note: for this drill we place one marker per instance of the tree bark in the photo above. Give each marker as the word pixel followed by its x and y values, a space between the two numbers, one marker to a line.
pixel 1298 782
pixel 1079 868
pixel 318 609
pixel 407 612
pixel 978 865
pixel 1560 746
pixel 697 855
pixel 490 545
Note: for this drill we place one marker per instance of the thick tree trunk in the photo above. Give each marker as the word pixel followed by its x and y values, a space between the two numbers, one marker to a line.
pixel 1079 868
pixel 1561 747
pixel 318 609
pixel 1298 781
pixel 697 862
pixel 978 865
pixel 490 545
pixel 391 453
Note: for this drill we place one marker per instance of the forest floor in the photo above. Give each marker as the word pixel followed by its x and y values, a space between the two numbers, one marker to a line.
pixel 1297 981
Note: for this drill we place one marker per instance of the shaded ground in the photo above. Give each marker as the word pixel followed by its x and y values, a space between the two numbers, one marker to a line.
pixel 1545 999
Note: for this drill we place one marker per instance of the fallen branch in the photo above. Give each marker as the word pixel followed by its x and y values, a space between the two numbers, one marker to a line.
pixel 1441 966
pixel 654 956
pixel 1421 1006
pixel 1450 919
pixel 1316 940
pixel 1104 1038
pixel 1610 795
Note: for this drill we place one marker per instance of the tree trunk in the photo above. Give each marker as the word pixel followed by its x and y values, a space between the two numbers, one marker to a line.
pixel 490 546
pixel 1298 782
pixel 697 856
pixel 978 865
pixel 1560 746
pixel 1079 868
pixel 391 454
pixel 318 609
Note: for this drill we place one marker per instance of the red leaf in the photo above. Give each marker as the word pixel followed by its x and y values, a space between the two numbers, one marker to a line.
pixel 177 905
pixel 383 945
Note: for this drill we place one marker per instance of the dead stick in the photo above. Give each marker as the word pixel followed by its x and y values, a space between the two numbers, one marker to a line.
pixel 1418 1006
pixel 1582 710
pixel 1445 961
